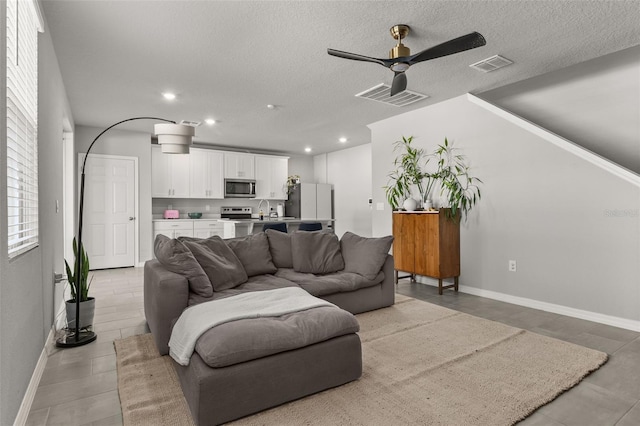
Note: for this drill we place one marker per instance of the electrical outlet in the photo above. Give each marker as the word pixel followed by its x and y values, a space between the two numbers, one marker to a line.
pixel 513 266
pixel 207 207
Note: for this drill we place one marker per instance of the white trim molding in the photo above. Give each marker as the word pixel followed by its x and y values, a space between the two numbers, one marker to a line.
pixel 568 311
pixel 32 388
pixel 556 309
pixel 559 141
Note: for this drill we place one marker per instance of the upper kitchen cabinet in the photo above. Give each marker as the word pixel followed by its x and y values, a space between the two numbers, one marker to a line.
pixel 169 174
pixel 239 165
pixel 271 177
pixel 206 168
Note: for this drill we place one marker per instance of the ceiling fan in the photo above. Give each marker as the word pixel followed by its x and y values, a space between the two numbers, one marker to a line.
pixel 400 58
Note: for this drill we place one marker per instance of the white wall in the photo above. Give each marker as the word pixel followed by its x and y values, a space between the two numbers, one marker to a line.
pixel 320 168
pixel 349 171
pixel 542 206
pixel 129 144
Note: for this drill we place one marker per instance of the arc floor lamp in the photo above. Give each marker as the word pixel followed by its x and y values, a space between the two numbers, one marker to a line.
pixel 174 139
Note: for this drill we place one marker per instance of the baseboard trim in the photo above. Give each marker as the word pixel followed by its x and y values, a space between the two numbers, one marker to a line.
pixel 611 320
pixel 30 394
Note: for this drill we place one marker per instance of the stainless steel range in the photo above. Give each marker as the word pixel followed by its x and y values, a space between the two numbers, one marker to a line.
pixel 235 212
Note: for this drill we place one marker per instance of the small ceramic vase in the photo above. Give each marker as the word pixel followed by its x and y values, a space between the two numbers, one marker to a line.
pixel 410 204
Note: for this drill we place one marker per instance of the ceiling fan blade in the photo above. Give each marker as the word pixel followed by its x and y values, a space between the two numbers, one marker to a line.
pixel 457 45
pixel 399 83
pixel 356 57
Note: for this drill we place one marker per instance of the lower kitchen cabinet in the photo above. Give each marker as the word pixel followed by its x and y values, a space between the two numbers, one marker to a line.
pixel 209 228
pixel 173 229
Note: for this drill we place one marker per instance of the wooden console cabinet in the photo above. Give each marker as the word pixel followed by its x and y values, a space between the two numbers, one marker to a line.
pixel 428 244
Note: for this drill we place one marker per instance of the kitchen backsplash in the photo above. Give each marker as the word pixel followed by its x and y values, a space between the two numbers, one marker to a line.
pixel 188 205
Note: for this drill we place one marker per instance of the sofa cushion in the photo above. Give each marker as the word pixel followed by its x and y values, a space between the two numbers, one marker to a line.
pixel 176 257
pixel 254 254
pixel 247 339
pixel 316 252
pixel 280 247
pixel 255 283
pixel 218 261
pixel 364 256
pixel 323 285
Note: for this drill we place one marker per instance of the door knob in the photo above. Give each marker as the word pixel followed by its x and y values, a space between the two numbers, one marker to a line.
pixel 132 218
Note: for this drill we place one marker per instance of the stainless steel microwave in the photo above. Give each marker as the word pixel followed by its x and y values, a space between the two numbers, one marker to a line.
pixel 239 188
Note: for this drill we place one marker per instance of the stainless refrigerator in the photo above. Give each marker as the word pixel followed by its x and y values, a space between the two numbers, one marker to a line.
pixel 310 201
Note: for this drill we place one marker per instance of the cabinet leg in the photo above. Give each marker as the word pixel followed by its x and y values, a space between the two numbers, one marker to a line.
pixel 455 283
pixel 395 277
pixel 440 286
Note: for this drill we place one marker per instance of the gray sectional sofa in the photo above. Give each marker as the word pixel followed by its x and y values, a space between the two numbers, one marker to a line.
pixel 246 366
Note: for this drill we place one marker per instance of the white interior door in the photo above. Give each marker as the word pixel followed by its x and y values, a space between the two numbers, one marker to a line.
pixel 109 231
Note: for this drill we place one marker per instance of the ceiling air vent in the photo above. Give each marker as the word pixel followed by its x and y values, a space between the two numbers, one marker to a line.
pixel 190 123
pixel 380 93
pixel 491 64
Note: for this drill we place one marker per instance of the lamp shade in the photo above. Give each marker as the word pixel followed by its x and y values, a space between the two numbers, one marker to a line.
pixel 174 138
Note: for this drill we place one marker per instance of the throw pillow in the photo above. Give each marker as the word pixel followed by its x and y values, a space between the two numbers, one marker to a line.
pixel 218 261
pixel 280 248
pixel 364 256
pixel 253 252
pixel 316 252
pixel 176 257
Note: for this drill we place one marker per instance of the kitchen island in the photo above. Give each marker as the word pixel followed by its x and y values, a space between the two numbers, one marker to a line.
pixel 252 226
pixel 226 228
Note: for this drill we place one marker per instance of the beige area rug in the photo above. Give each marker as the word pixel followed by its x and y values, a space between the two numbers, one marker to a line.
pixel 423 365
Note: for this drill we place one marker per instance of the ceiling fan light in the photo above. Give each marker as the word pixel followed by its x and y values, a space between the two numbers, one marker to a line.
pixel 399 67
pixel 174 138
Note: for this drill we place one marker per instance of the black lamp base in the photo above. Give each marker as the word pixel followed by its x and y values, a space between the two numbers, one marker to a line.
pixel 70 341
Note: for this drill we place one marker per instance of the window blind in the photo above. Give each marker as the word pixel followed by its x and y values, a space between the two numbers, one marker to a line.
pixel 23 24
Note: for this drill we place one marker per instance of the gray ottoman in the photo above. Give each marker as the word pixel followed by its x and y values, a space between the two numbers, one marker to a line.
pixel 219 395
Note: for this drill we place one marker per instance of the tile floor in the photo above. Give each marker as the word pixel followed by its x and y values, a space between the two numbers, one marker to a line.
pixel 78 386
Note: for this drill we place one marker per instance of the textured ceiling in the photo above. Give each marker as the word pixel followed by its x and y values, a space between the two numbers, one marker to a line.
pixel 228 60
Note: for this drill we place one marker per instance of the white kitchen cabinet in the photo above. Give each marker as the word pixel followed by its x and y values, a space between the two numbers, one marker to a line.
pixel 198 228
pixel 206 168
pixel 209 228
pixel 169 174
pixel 271 177
pixel 173 228
pixel 239 165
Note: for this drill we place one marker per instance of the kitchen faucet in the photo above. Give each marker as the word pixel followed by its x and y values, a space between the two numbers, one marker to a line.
pixel 268 207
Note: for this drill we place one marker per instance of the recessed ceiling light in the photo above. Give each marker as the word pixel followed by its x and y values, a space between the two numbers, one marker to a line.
pixel 169 96
pixel 270 106
pixel 307 149
pixel 342 140
pixel 210 121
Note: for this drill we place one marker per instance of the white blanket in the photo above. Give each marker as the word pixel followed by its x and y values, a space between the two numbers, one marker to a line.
pixel 197 319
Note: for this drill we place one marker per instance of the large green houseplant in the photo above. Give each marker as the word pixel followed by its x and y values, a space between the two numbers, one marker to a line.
pixel 459 190
pixel 409 164
pixel 79 285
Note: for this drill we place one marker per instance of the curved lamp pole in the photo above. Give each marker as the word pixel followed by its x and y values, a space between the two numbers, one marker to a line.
pixel 175 139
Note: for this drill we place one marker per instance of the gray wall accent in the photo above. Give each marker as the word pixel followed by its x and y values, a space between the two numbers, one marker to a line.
pixel 26 282
pixel 129 144
pixel 303 167
pixel 573 228
pixel 595 104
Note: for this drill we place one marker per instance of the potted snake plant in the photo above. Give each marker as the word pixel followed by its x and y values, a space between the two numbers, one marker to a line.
pixel 79 286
